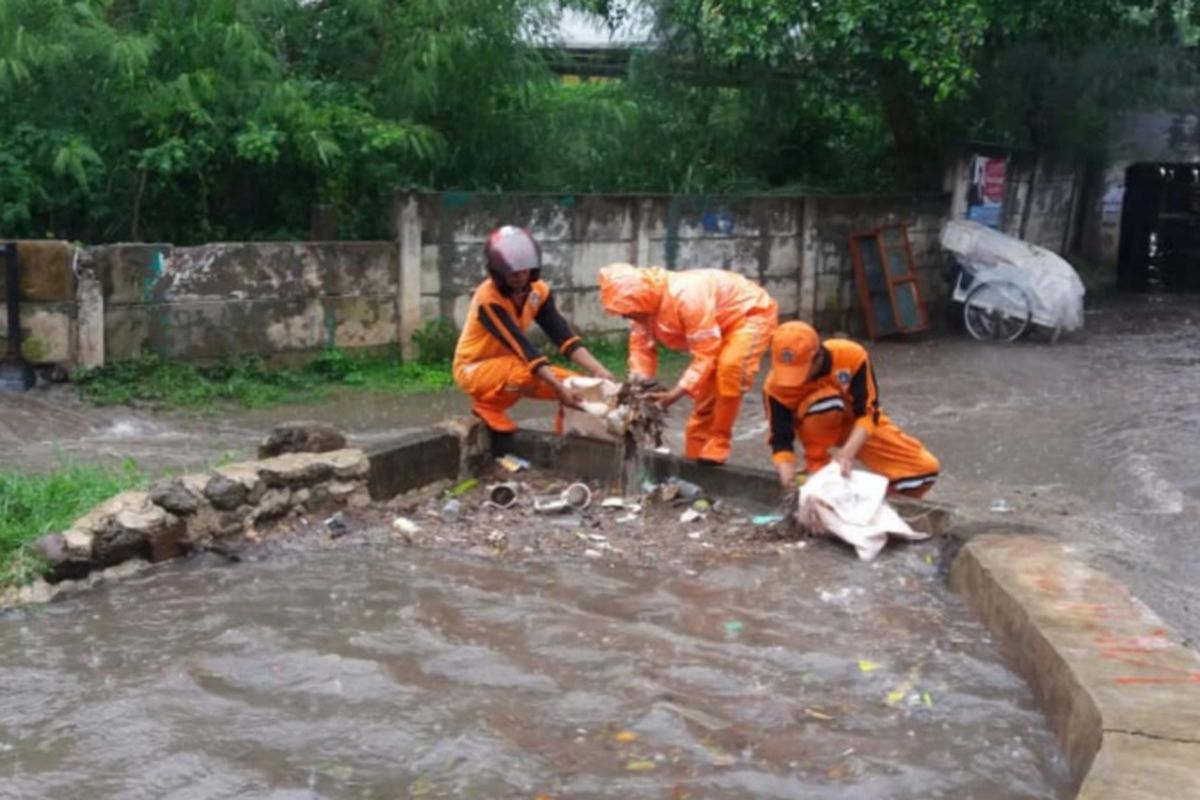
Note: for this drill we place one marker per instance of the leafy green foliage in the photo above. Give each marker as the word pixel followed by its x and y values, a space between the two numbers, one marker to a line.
pixel 436 340
pixel 34 505
pixel 230 119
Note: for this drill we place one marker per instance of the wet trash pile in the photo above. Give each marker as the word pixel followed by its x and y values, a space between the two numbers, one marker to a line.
pixel 514 512
pixel 615 412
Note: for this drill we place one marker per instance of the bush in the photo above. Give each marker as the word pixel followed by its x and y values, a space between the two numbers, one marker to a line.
pixel 436 340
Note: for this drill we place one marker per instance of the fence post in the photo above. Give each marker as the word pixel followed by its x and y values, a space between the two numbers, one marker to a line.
pixel 89 315
pixel 408 289
pixel 809 242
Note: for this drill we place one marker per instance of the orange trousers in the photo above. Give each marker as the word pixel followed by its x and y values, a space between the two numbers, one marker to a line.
pixel 709 430
pixel 495 385
pixel 823 421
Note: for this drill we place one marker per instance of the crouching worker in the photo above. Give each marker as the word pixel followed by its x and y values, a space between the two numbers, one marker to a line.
pixel 494 362
pixel 825 395
pixel 721 318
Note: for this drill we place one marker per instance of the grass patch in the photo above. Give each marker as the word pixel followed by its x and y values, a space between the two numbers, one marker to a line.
pixel 249 382
pixel 613 353
pixel 33 505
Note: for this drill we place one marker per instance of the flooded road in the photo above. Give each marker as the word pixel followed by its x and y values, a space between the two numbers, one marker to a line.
pixel 343 675
pixel 1096 438
pixel 394 673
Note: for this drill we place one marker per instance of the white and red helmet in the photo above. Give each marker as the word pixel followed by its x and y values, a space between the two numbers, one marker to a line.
pixel 510 249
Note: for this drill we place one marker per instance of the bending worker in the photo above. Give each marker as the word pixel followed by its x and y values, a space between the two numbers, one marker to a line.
pixel 723 319
pixel 825 395
pixel 494 362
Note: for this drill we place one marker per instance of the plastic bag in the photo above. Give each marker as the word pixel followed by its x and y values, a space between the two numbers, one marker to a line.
pixel 852 509
pixel 600 418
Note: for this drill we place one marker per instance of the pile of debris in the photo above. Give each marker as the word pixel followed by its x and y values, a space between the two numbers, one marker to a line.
pixel 616 412
pixel 512 511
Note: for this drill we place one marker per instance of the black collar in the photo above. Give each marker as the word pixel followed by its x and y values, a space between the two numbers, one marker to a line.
pixel 826 365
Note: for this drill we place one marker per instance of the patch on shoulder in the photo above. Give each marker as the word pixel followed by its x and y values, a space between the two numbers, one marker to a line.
pixel 843 377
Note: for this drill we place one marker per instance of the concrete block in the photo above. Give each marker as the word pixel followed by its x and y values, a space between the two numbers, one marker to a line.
pixel 47 332
pixel 586 259
pixel 602 218
pixel 412 461
pixel 368 321
pixel 47 272
pixel 128 272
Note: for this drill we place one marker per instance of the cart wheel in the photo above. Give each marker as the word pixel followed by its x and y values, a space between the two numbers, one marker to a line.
pixel 996 311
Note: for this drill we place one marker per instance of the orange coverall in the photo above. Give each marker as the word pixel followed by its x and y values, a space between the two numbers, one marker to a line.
pixel 721 318
pixel 823 411
pixel 494 362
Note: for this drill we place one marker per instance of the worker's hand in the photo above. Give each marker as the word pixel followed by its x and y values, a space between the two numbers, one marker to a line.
pixel 602 372
pixel 643 382
pixel 845 462
pixel 667 399
pixel 789 504
pixel 567 396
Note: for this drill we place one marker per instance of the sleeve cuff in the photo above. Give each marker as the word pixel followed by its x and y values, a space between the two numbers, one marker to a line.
pixel 540 361
pixel 570 346
pixel 783 457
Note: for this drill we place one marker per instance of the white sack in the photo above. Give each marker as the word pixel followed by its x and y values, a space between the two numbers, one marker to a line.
pixel 601 417
pixel 852 509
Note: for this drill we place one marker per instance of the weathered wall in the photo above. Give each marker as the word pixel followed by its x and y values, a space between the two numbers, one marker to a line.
pixel 268 298
pixel 829 294
pixel 794 246
pixel 47 292
pixel 1042 200
pixel 1166 137
pixel 114 302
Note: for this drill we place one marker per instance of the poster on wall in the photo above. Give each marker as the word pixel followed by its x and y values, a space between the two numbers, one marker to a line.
pixel 985 195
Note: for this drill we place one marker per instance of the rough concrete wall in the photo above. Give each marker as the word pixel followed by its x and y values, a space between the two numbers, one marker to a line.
pixel 758 237
pixel 578 235
pixel 1103 204
pixel 47 292
pixel 1041 199
pixel 1048 220
pixel 764 238
pixel 835 297
pixel 216 300
pixel 1171 137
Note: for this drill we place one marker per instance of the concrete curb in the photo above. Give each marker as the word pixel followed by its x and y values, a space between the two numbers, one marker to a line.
pixel 1123 698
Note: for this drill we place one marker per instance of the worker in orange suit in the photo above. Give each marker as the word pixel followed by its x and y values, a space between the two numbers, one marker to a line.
pixel 824 394
pixel 494 362
pixel 721 318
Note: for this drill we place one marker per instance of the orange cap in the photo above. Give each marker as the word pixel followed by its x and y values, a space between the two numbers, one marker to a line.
pixel 792 349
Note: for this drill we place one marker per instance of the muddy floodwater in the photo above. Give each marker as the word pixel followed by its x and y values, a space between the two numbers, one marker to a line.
pixel 391 671
pixel 394 672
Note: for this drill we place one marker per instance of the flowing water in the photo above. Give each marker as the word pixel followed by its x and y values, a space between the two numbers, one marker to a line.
pixel 394 673
pixel 358 673
pixel 1096 438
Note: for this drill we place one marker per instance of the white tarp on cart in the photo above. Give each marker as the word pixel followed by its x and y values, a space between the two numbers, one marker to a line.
pixel 1054 288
